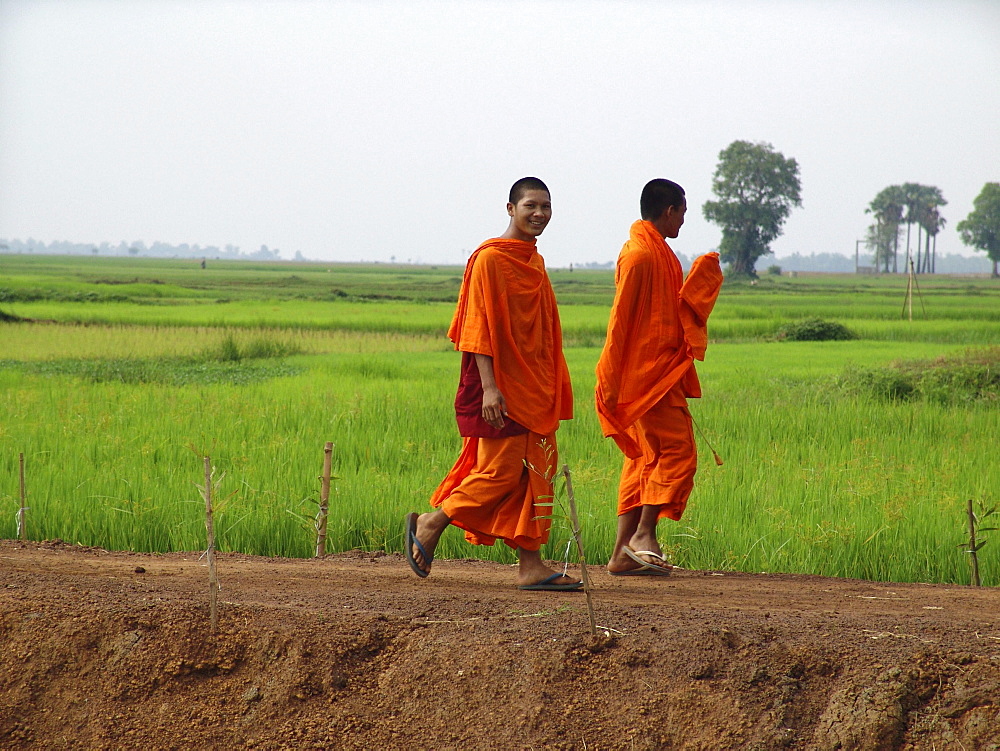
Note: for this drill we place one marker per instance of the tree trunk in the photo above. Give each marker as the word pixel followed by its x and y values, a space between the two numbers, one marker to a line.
pixel 907 263
pixel 895 251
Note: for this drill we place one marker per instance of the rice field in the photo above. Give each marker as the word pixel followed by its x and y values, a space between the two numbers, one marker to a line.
pixel 115 398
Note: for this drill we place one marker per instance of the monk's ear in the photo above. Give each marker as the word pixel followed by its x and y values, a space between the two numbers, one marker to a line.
pixel 510 209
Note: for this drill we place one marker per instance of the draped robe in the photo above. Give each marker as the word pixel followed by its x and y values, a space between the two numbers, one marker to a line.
pixel 645 374
pixel 507 310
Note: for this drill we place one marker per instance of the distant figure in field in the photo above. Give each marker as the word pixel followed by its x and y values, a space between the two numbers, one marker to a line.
pixel 646 374
pixel 513 390
pixel 203 263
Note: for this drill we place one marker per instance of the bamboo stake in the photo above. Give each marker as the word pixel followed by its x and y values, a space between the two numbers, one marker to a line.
pixel 324 500
pixel 578 539
pixel 976 582
pixel 22 531
pixel 213 579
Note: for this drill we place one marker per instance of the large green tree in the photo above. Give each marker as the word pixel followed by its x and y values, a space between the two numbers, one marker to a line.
pixel 756 188
pixel 981 228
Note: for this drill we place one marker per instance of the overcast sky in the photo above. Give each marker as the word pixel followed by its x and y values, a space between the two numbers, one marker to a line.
pixel 367 130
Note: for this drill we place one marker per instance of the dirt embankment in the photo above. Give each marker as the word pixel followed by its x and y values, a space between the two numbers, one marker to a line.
pixel 113 650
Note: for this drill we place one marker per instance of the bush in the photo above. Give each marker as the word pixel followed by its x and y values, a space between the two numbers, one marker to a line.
pixel 774 270
pixel 815 330
pixel 973 377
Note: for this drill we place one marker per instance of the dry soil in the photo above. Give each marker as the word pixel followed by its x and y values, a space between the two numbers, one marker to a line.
pixel 106 650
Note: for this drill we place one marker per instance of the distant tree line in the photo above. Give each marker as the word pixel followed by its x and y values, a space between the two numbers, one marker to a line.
pixel 914 204
pixel 910 204
pixel 757 187
pixel 137 248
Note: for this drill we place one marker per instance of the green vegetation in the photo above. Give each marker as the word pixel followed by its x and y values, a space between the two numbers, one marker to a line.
pixel 815 330
pixel 970 377
pixel 847 458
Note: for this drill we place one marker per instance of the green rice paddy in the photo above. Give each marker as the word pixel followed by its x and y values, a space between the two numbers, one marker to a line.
pixel 118 375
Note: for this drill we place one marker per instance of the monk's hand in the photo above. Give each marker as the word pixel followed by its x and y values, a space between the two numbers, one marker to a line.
pixel 494 407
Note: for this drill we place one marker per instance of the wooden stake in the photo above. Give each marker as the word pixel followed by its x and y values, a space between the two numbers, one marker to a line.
pixel 213 578
pixel 324 500
pixel 973 548
pixel 22 531
pixel 578 539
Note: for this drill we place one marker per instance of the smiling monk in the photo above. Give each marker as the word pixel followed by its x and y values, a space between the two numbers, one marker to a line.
pixel 513 390
pixel 646 374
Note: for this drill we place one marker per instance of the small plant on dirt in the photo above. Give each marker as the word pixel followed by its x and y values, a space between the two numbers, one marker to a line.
pixel 570 515
pixel 975 540
pixel 815 330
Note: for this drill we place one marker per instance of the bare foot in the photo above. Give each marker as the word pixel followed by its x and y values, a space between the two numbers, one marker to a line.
pixel 430 526
pixel 620 562
pixel 531 570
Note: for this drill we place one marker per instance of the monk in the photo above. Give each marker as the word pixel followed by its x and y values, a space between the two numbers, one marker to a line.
pixel 513 390
pixel 646 374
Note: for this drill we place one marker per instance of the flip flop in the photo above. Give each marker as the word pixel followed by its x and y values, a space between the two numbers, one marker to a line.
pixel 411 539
pixel 644 571
pixel 547 585
pixel 635 556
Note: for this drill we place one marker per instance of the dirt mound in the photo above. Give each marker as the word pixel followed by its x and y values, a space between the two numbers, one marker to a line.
pixel 114 650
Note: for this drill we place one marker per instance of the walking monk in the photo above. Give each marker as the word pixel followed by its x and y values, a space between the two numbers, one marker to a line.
pixel 646 374
pixel 513 390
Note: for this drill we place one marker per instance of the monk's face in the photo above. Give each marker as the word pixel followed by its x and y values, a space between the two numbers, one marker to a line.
pixel 531 214
pixel 674 219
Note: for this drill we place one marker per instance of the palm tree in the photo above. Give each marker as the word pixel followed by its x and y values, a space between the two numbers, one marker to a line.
pixel 887 208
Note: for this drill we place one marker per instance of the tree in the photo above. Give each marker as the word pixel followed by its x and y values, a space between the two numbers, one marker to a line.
pixel 887 208
pixel 922 203
pixel 882 240
pixel 757 188
pixel 981 228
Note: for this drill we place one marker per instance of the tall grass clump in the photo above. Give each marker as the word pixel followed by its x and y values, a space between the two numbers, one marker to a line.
pixel 971 377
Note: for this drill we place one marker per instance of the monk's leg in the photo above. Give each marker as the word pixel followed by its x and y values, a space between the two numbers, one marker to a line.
pixel 629 508
pixel 430 526
pixel 645 533
pixel 531 569
pixel 627 524
pixel 654 485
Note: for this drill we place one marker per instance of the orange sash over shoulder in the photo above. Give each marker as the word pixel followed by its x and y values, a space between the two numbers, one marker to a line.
pixel 507 310
pixel 658 327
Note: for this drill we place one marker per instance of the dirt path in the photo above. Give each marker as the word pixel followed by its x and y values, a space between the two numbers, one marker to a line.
pixel 113 650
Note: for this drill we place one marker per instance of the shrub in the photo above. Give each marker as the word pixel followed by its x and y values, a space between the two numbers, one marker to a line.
pixel 815 330
pixel 971 377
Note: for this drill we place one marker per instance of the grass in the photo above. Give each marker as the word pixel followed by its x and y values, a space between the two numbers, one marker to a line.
pixel 821 476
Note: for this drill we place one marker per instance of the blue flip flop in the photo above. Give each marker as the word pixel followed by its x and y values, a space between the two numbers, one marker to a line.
pixel 411 539
pixel 547 585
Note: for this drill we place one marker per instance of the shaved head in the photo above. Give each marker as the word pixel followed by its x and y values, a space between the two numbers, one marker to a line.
pixel 657 196
pixel 522 186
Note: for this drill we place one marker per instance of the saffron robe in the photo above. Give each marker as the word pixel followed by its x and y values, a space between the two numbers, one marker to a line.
pixel 646 373
pixel 507 310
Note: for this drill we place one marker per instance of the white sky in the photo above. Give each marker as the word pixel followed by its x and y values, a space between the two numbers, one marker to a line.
pixel 365 130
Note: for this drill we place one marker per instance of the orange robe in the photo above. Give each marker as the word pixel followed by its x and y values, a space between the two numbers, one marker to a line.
pixel 507 310
pixel 657 328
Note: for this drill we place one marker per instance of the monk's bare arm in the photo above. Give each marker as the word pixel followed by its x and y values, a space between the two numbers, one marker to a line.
pixel 494 405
